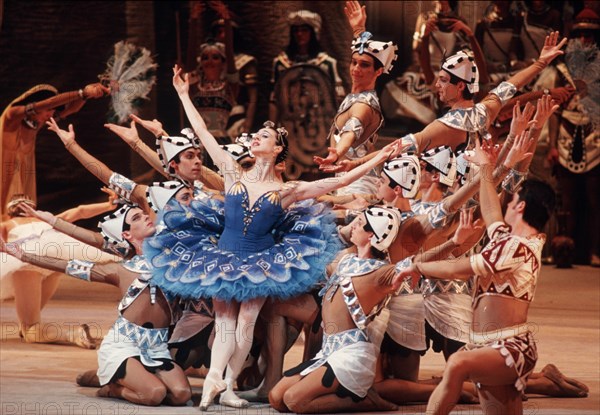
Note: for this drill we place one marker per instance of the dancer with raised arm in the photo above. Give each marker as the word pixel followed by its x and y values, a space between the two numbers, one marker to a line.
pixel 150 198
pixel 506 276
pixel 355 127
pixel 458 81
pixel 247 265
pixel 133 361
pixel 20 122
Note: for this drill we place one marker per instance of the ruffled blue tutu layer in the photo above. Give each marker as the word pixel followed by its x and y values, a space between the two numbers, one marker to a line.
pixel 187 262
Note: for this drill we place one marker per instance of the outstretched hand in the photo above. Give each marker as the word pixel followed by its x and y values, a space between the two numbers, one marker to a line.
pixel 331 158
pixel 483 154
pixel 466 227
pixel 128 134
pixel 47 217
pixel 520 150
pixel 67 137
pixel 181 84
pixel 356 15
pixel 546 106
pixel 520 120
pixel 390 151
pixel 409 272
pixel 552 48
pixel 113 198
pixel 341 166
pixel 154 126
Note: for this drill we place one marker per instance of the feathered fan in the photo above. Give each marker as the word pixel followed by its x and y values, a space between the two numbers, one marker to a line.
pixel 130 73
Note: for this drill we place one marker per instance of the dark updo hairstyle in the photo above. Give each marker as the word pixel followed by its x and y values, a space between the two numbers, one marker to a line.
pixel 281 140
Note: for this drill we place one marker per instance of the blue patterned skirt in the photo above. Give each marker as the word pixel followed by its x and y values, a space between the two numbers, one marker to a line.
pixel 188 263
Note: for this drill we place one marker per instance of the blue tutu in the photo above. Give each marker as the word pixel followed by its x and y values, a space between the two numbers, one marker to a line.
pixel 234 251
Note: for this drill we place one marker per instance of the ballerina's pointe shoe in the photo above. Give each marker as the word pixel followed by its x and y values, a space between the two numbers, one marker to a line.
pixel 213 385
pixel 229 398
pixel 568 387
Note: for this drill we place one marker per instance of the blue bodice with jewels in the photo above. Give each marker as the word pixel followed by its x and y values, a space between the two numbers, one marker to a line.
pixel 236 251
pixel 248 229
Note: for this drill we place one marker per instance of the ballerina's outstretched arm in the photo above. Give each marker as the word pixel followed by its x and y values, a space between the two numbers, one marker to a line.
pixel 219 156
pixel 309 190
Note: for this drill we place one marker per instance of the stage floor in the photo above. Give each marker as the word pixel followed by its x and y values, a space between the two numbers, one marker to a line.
pixel 40 379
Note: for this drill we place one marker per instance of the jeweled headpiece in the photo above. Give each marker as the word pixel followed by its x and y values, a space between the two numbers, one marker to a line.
pixel 282 135
pixel 218 46
pixel 384 52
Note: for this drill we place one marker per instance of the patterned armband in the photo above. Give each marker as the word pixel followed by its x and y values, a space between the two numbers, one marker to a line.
pixel 122 186
pixel 512 182
pixel 354 125
pixel 438 217
pixel 411 141
pixel 504 91
pixel 79 269
pixel 119 249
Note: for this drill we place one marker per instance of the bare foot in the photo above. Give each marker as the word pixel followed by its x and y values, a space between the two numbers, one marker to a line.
pixel 466 397
pixel 379 402
pixel 566 387
pixel 103 392
pixel 83 338
pixel 89 379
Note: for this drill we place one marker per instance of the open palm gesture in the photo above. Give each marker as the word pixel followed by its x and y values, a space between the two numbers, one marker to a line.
pixel 67 137
pixel 552 48
pixel 356 15
pixel 181 84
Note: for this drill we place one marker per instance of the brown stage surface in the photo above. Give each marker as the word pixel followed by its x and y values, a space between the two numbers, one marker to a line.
pixel 39 379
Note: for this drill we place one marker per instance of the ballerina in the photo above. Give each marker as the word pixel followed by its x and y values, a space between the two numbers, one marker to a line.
pixel 247 266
